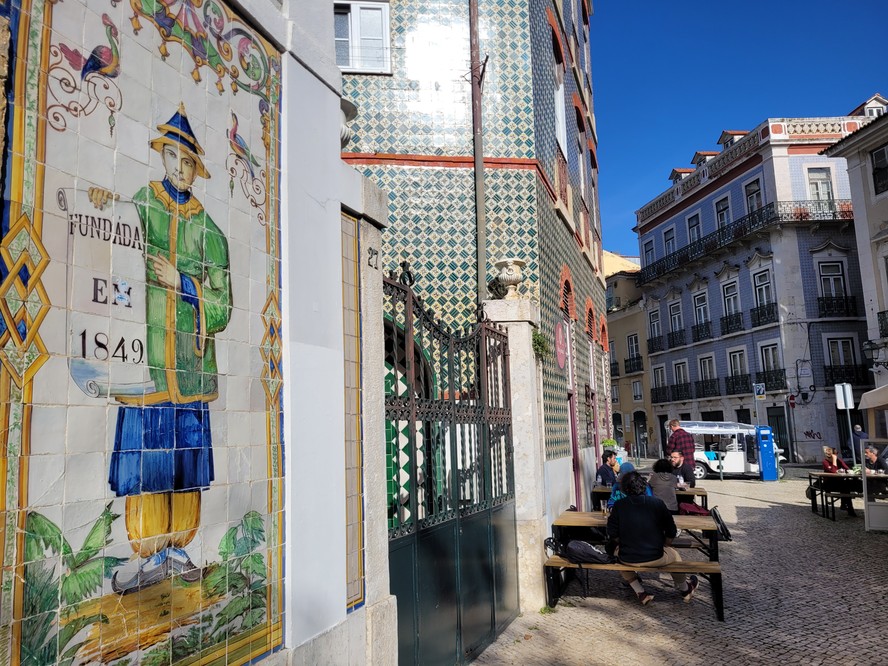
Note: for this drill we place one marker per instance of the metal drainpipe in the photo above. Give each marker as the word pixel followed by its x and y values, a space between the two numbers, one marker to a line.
pixel 477 131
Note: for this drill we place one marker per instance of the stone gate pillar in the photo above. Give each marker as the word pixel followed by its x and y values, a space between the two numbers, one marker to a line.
pixel 521 317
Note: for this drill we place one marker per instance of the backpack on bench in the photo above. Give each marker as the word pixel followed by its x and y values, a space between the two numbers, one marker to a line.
pixel 577 551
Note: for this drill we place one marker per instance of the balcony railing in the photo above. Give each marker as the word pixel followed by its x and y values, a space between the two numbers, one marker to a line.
pixel 763 314
pixel 883 324
pixel 837 306
pixel 615 368
pixel 701 331
pixel 774 380
pixel 736 384
pixel 782 212
pixel 633 364
pixel 655 344
pixel 681 391
pixel 852 374
pixel 676 338
pixel 660 394
pixel 732 323
pixel 707 388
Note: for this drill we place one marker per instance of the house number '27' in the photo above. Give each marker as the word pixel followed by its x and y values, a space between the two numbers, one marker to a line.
pixel 125 351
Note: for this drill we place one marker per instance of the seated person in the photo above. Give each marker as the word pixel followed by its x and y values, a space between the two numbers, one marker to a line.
pixel 682 469
pixel 873 462
pixel 640 530
pixel 832 464
pixel 617 493
pixel 607 473
pixel 662 482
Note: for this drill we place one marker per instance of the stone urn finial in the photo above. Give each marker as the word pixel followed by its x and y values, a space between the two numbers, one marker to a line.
pixel 510 275
pixel 349 113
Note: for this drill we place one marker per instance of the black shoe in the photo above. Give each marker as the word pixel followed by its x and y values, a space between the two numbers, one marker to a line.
pixel 688 594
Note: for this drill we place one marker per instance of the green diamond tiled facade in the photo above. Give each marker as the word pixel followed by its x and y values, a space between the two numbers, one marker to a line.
pixel 413 136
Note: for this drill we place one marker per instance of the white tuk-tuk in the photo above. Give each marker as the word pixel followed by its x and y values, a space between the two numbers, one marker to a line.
pixel 736 444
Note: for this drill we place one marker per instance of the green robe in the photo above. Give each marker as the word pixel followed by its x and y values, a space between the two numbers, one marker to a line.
pixel 181 324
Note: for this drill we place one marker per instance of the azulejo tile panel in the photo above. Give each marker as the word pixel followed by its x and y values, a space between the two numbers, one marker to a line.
pixel 140 337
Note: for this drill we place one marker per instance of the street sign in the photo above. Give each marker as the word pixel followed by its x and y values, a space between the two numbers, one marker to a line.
pixel 844 396
pixel 759 390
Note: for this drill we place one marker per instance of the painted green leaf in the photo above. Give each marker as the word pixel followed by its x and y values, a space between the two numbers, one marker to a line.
pixel 253 618
pixel 72 629
pixel 87 578
pixel 48 536
pixel 226 546
pixel 254 565
pixel 254 526
pixel 97 537
pixel 233 609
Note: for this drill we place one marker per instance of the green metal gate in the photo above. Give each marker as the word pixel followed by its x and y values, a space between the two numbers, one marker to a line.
pixel 452 540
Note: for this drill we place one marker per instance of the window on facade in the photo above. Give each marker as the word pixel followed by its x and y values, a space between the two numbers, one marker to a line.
pixel 770 357
pixel 722 212
pixel 880 169
pixel 669 241
pixel 659 377
pixel 753 195
pixel 675 322
pixel 612 350
pixel 762 283
pixel 731 298
pixel 707 368
pixel 609 297
pixel 737 362
pixel 592 365
pixel 875 111
pixel 636 390
pixel 841 351
pixel 581 158
pixel 693 228
pixel 632 345
pixel 655 324
pixel 820 184
pixel 558 101
pixel 701 308
pixel 680 370
pixel 361 34
pixel 649 253
pixel 615 393
pixel 832 279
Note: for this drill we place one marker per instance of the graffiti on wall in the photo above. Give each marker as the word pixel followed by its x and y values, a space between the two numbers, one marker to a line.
pixel 140 337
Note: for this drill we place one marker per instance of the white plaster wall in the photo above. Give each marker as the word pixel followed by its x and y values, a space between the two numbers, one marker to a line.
pixel 559 482
pixel 313 357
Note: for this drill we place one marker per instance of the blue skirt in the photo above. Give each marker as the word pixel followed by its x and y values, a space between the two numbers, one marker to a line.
pixel 162 448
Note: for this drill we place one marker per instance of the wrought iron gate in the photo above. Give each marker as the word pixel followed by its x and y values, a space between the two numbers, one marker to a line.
pixel 451 518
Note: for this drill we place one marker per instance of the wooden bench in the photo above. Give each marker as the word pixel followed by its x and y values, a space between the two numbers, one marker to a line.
pixel 709 570
pixel 830 499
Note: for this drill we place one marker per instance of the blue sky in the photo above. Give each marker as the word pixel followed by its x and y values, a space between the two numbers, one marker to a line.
pixel 668 77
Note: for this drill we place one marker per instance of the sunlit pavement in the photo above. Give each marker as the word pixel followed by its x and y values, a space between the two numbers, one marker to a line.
pixel 799 589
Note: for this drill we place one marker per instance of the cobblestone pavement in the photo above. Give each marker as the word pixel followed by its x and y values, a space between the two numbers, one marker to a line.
pixel 799 589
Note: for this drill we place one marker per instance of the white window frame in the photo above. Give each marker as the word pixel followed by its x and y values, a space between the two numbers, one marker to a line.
pixel 648 252
pixel 737 365
pixel 632 347
pixel 756 195
pixel 637 391
pixel 833 279
pixel 816 189
pixel 668 241
pixel 658 376
pixel 734 298
pixel 354 10
pixel 769 356
pixel 706 366
pixel 680 372
pixel 879 162
pixel 762 288
pixel 722 220
pixel 844 348
pixel 676 321
pixel 701 308
pixel 692 236
pixel 654 321
pixel 559 102
pixel 615 393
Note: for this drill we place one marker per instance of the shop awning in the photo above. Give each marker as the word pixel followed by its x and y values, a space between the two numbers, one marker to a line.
pixel 874 399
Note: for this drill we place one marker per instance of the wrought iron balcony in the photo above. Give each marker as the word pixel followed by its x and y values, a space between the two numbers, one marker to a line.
pixel 782 212
pixel 676 338
pixel 633 364
pixel 681 391
pixel 732 323
pixel 660 394
pixel 774 380
pixel 736 384
pixel 852 374
pixel 615 368
pixel 883 324
pixel 707 388
pixel 763 314
pixel 701 331
pixel 837 306
pixel 655 344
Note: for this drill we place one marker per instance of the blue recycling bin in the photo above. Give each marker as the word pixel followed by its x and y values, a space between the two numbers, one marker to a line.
pixel 767 457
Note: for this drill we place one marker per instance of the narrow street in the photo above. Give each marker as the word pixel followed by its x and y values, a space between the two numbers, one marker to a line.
pixel 799 589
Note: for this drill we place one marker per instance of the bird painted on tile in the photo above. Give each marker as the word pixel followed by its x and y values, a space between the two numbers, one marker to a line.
pixel 104 60
pixel 239 146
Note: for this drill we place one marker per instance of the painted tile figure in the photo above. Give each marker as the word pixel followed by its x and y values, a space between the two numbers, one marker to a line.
pixel 163 457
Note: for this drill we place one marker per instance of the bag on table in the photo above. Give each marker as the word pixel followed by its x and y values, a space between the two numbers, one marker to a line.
pixel 691 509
pixel 583 552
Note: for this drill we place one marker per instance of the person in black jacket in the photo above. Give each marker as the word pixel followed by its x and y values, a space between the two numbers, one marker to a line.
pixel 642 530
pixel 607 473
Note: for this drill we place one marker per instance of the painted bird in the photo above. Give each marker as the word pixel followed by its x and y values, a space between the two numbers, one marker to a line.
pixel 239 146
pixel 104 60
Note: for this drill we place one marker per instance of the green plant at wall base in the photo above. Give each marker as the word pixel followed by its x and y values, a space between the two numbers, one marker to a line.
pixel 540 343
pixel 64 578
pixel 609 443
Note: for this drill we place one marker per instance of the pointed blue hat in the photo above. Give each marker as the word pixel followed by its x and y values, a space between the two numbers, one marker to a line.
pixel 177 132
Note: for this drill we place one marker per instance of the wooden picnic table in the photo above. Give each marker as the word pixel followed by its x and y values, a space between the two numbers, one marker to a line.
pixel 826 487
pixel 602 493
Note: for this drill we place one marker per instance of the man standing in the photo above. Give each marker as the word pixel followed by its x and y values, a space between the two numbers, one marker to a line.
pixel 682 468
pixel 163 457
pixel 680 440
pixel 857 434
